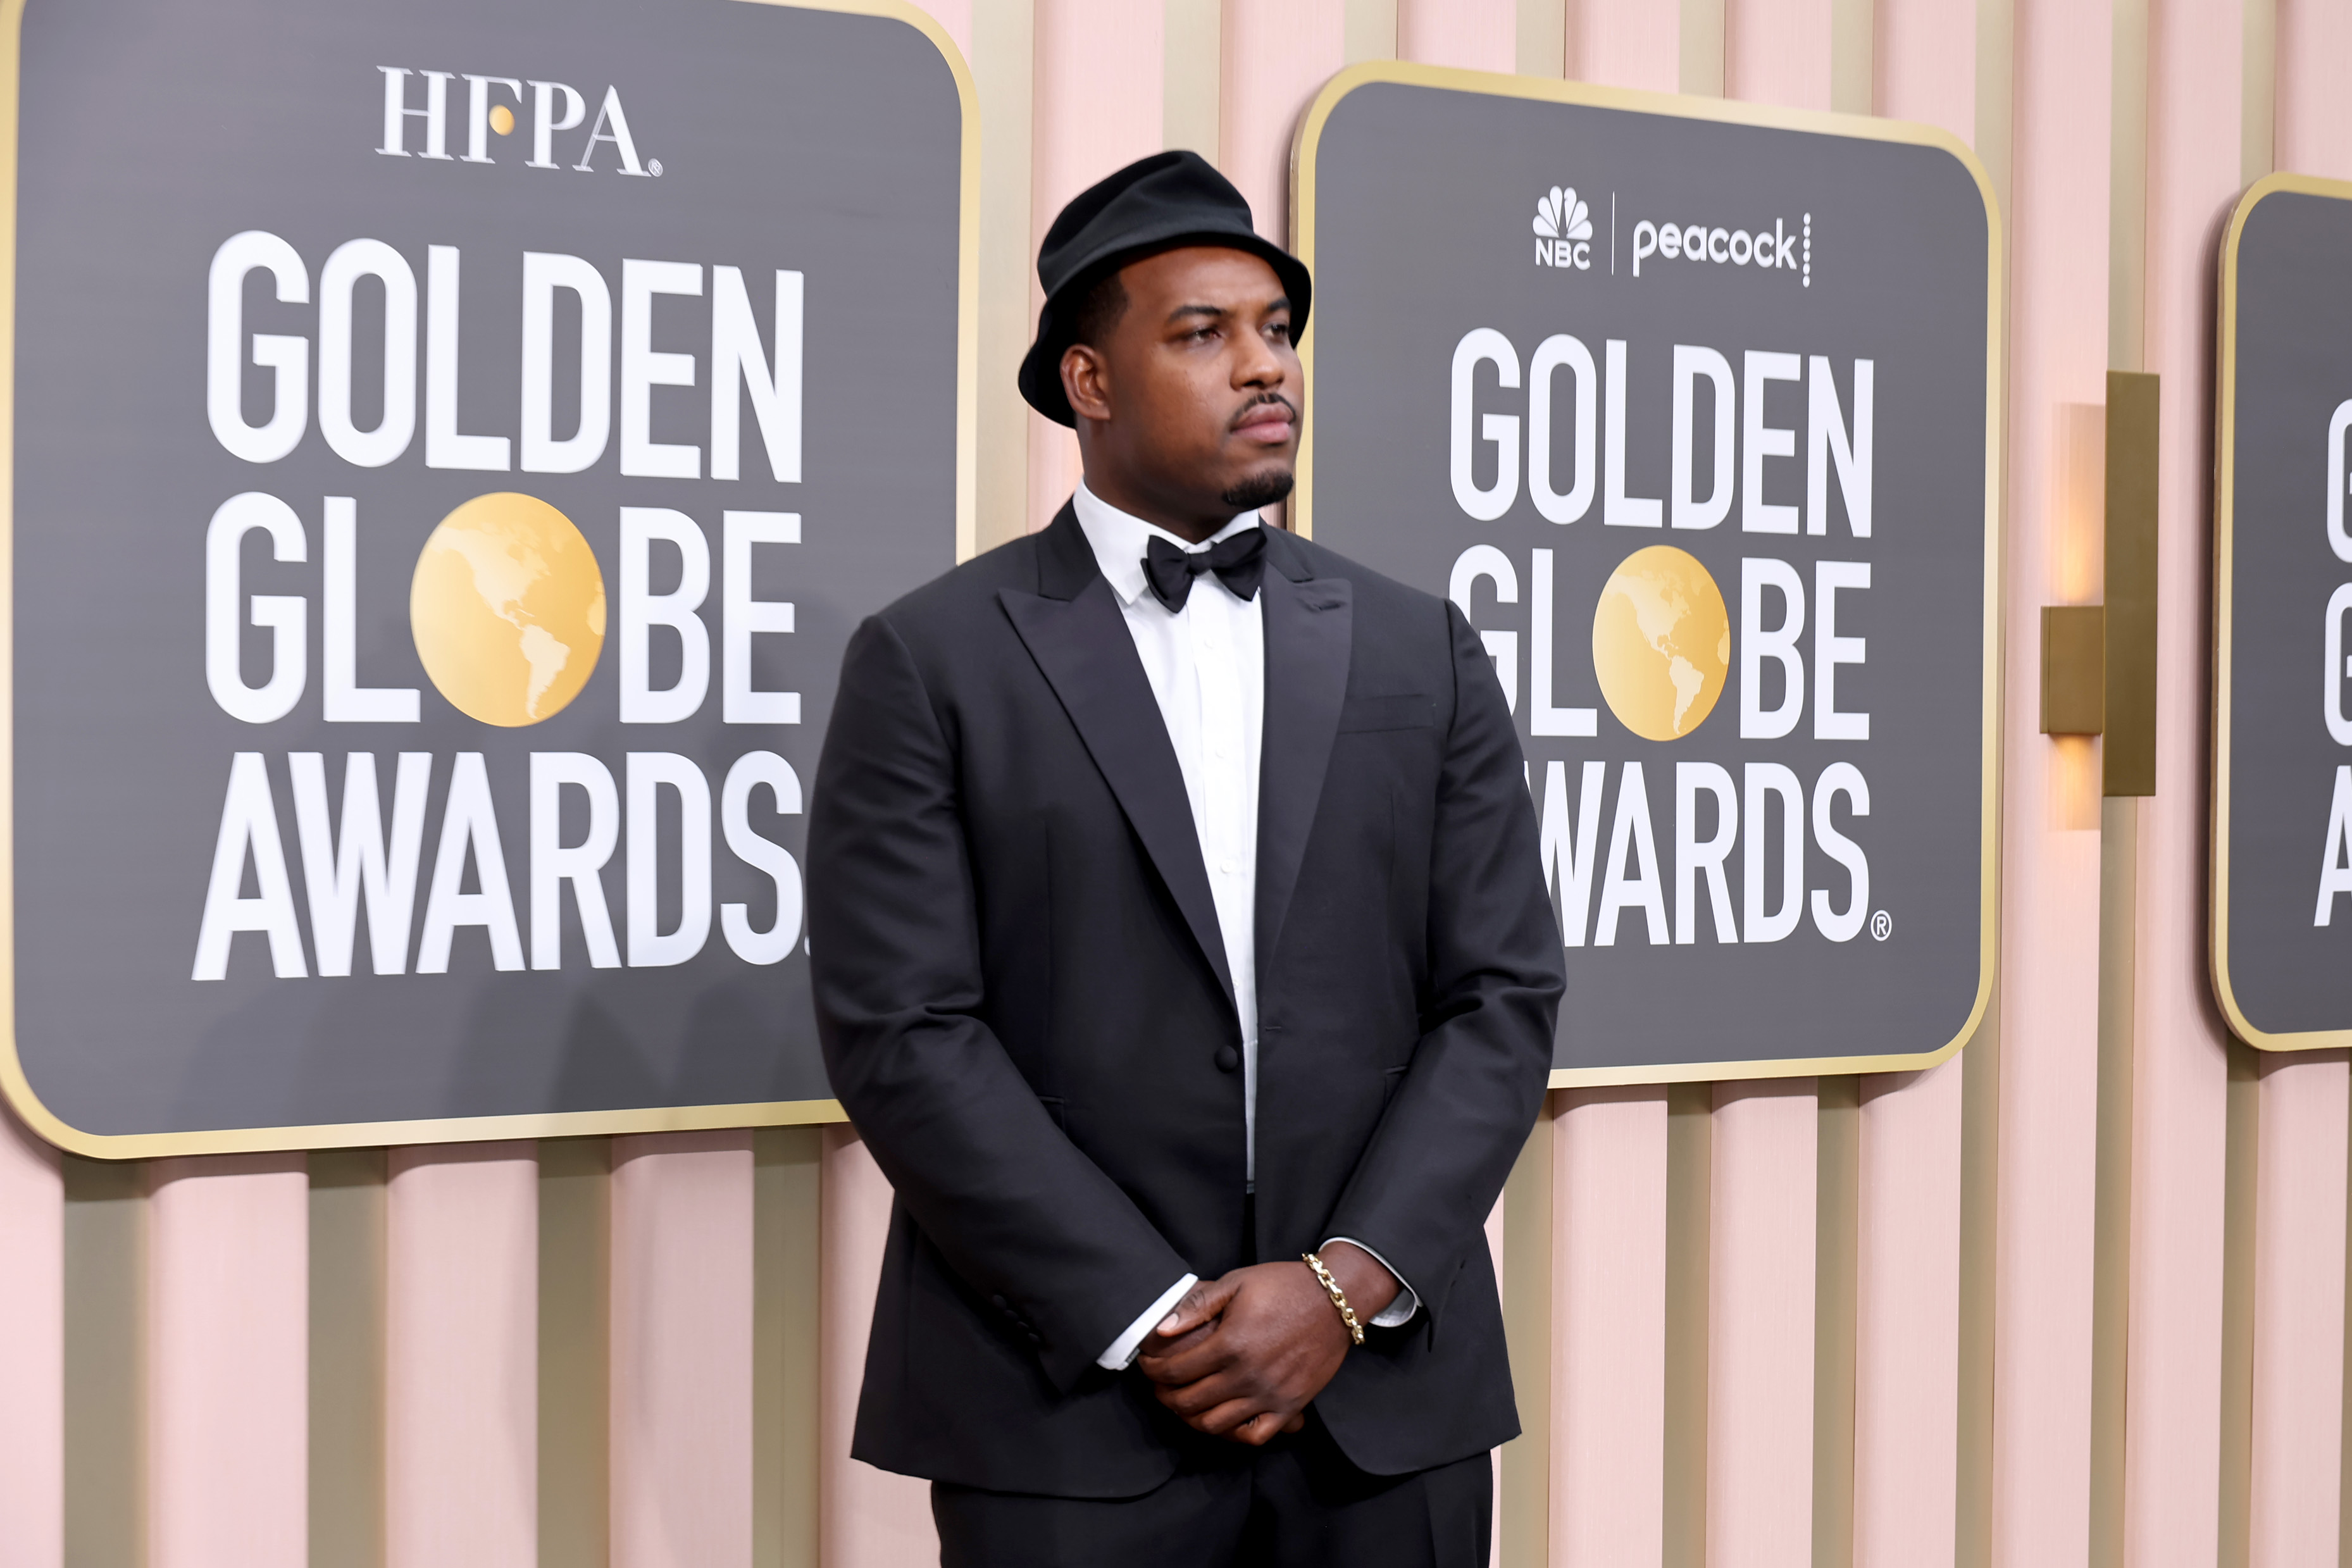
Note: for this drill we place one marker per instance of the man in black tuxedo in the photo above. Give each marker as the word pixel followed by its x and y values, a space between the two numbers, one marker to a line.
pixel 1180 950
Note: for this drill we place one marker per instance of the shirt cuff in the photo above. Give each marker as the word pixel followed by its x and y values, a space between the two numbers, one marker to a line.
pixel 1122 1353
pixel 1406 1304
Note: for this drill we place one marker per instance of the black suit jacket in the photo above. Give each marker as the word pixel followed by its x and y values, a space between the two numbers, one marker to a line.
pixel 1025 1005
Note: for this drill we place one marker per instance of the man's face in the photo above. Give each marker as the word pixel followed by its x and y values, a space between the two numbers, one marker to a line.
pixel 1189 405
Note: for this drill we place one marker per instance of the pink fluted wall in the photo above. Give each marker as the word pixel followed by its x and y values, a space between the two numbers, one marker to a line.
pixel 872 1518
pixel 1759 1365
pixel 227 1362
pixel 1477 34
pixel 2181 1068
pixel 1625 43
pixel 461 1357
pixel 1608 1315
pixel 1277 54
pixel 31 1350
pixel 681 1351
pixel 1907 1307
pixel 2049 1005
pixel 2299 1243
pixel 1098 103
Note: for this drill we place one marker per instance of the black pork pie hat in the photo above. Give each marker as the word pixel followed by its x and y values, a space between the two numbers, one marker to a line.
pixel 1155 203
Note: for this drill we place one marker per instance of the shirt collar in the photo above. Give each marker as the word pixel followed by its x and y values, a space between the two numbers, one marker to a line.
pixel 1118 540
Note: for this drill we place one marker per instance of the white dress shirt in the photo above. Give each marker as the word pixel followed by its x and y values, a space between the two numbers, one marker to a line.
pixel 1206 664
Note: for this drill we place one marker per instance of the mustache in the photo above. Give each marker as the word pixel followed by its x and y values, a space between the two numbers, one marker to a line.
pixel 1260 401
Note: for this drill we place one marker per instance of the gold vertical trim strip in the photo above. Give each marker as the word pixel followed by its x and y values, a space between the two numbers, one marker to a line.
pixel 786 1347
pixel 2112 1168
pixel 2258 91
pixel 2128 752
pixel 105 1370
pixel 1837 1309
pixel 1540 45
pixel 1690 1185
pixel 574 1366
pixel 1524 1529
pixel 1979 1263
pixel 1003 63
pixel 1701 40
pixel 1367 30
pixel 347 1322
pixel 2236 1548
pixel 2128 187
pixel 1191 72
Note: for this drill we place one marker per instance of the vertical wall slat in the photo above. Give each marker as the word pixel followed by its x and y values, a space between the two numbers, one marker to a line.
pixel 346 1399
pixel 1760 1389
pixel 1003 59
pixel 575 1357
pixel 2180 1071
pixel 227 1362
pixel 105 1363
pixel 1777 51
pixel 872 1518
pixel 1762 1326
pixel 2048 1101
pixel 681 1330
pixel 461 1357
pixel 2299 1262
pixel 1609 1364
pixel 1625 43
pixel 1907 1333
pixel 1608 1367
pixel 788 1356
pixel 1277 54
pixel 2299 1406
pixel 1475 35
pixel 1907 1307
pixel 31 1350
pixel 1097 106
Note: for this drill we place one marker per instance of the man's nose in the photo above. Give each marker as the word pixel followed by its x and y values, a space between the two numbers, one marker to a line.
pixel 1257 365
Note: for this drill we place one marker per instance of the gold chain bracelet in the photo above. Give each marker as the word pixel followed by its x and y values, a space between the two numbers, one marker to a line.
pixel 1338 1296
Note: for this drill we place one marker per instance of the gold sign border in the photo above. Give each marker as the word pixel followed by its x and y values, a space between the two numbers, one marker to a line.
pixel 14 1085
pixel 2225 456
pixel 1731 112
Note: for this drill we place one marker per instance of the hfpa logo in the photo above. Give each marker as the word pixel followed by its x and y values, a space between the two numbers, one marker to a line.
pixel 554 107
pixel 1563 230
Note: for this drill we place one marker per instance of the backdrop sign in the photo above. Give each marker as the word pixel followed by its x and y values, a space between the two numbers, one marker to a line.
pixel 1691 406
pixel 2281 902
pixel 453 443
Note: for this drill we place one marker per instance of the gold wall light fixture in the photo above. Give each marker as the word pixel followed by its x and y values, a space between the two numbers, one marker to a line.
pixel 2098 661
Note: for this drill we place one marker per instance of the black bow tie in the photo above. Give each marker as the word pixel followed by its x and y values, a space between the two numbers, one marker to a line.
pixel 1238 561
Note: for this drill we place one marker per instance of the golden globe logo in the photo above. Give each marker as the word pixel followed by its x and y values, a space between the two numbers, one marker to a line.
pixel 1664 639
pixel 510 611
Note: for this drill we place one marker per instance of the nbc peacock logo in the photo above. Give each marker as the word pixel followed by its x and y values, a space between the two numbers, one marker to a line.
pixel 1563 229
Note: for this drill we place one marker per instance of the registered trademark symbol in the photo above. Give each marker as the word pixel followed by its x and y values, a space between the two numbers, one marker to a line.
pixel 652 167
pixel 1882 925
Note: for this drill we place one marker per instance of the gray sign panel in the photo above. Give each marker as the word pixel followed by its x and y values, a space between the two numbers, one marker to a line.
pixel 2281 903
pixel 1690 407
pixel 453 443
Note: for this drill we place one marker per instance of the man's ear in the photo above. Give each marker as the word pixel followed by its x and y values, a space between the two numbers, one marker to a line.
pixel 1086 382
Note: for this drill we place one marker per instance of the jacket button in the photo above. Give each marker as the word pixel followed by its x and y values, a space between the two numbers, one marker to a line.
pixel 1228 1058
pixel 1000 1303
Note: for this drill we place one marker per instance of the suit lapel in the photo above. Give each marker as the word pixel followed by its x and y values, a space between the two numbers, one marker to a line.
pixel 1309 624
pixel 1074 631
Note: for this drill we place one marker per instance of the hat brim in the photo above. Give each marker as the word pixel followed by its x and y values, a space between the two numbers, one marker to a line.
pixel 1041 369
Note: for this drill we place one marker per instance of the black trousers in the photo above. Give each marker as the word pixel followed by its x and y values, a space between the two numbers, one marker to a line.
pixel 1295 1504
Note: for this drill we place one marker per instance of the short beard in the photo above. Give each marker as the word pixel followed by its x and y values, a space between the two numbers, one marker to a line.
pixel 1252 494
